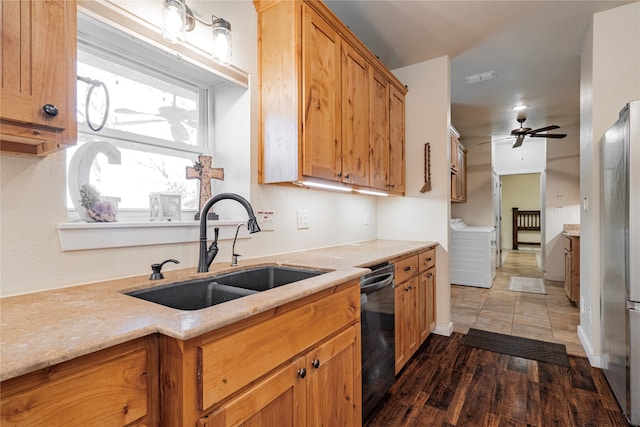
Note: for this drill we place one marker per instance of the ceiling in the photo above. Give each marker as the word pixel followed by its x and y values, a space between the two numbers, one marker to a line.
pixel 533 46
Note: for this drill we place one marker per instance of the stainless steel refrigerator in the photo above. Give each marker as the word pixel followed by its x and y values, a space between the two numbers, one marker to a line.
pixel 620 256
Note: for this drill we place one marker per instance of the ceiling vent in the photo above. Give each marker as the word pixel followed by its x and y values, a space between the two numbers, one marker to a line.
pixel 475 78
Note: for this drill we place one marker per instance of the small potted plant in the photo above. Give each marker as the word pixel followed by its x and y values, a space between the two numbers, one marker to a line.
pixel 97 209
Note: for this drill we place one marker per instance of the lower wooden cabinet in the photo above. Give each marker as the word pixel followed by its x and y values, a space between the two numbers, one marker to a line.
pixel 572 267
pixel 316 389
pixel 414 304
pixel 298 364
pixel 113 387
pixel 426 303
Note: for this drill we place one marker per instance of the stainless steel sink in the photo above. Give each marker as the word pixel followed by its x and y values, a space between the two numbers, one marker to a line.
pixel 201 293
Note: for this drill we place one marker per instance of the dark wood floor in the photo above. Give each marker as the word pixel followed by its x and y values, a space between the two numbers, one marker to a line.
pixel 451 384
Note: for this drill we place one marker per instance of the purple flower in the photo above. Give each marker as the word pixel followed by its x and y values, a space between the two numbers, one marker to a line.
pixel 102 212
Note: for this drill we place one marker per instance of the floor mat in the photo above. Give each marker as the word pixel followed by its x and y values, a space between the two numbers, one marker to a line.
pixel 526 348
pixel 527 284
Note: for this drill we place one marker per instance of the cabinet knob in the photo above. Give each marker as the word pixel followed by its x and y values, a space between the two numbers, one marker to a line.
pixel 429 259
pixel 316 363
pixel 302 373
pixel 408 288
pixel 346 176
pixel 50 110
pixel 407 269
pixel 340 175
pixel 429 275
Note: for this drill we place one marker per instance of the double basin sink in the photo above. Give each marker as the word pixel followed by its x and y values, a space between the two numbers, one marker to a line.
pixel 201 293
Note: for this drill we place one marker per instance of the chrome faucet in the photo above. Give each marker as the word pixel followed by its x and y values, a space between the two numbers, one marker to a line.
pixel 234 255
pixel 207 255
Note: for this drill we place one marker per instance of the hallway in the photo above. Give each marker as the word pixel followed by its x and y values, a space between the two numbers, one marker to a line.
pixel 549 317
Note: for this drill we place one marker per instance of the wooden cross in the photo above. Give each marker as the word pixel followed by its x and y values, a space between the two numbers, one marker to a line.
pixel 203 172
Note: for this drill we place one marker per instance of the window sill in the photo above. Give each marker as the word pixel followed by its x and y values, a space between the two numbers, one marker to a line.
pixel 104 235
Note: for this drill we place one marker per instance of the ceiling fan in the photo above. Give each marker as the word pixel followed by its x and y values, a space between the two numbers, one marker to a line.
pixel 522 131
pixel 174 115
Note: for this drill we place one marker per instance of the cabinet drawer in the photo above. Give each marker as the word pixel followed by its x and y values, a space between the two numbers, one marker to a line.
pixel 235 360
pixel 427 259
pixel 405 268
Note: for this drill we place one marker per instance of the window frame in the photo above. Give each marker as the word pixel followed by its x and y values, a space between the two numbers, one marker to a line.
pixel 88 236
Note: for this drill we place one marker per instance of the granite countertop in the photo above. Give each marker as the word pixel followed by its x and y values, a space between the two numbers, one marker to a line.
pixel 571 230
pixel 45 328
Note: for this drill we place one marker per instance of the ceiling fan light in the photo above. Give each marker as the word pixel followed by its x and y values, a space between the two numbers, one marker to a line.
pixel 221 37
pixel 519 107
pixel 173 20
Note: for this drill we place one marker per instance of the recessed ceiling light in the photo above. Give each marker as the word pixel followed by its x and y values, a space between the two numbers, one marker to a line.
pixel 475 78
pixel 519 107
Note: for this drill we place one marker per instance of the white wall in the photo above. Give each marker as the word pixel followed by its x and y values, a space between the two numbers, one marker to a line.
pixel 425 216
pixel 610 77
pixel 478 209
pixel 33 198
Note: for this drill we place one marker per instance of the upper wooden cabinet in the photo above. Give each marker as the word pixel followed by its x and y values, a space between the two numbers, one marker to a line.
pixel 396 141
pixel 458 168
pixel 38 65
pixel 355 117
pixel 322 152
pixel 328 107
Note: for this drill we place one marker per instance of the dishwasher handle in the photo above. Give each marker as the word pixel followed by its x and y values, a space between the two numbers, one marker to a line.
pixel 375 283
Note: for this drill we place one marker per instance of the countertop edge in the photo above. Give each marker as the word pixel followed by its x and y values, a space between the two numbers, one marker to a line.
pixel 50 327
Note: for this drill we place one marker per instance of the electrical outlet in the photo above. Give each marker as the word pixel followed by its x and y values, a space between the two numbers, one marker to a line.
pixel 582 304
pixel 366 218
pixel 589 315
pixel 303 219
pixel 265 220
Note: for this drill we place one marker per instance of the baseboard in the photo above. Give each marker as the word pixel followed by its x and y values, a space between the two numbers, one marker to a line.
pixel 594 360
pixel 444 330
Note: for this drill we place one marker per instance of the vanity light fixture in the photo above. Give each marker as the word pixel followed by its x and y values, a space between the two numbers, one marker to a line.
pixel 177 19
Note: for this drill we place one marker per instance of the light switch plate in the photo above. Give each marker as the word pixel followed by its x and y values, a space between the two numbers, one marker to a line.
pixel 303 219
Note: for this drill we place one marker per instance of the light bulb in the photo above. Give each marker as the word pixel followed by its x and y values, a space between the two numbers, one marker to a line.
pixel 173 21
pixel 221 39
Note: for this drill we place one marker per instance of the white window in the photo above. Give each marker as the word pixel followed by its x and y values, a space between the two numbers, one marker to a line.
pixel 130 96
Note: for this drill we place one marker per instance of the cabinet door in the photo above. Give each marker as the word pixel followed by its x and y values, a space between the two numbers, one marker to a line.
pixel 567 272
pixel 334 389
pixel 406 316
pixel 462 174
pixel 400 322
pixel 423 306
pixel 453 148
pixel 322 147
pixel 38 68
pixel 355 117
pixel 379 132
pixel 279 400
pixel 412 316
pixel 396 141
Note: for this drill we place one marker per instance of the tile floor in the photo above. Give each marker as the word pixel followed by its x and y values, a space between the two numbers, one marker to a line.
pixel 550 317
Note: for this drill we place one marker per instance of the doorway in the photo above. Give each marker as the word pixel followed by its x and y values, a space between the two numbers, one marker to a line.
pixel 525 192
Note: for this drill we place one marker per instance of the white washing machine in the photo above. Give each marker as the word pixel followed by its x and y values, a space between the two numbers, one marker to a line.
pixel 472 255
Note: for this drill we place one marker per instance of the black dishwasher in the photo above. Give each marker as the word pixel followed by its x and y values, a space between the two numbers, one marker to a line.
pixel 377 317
